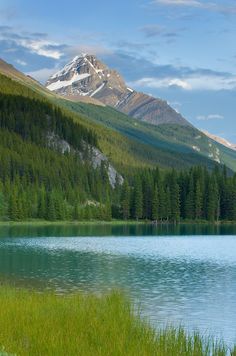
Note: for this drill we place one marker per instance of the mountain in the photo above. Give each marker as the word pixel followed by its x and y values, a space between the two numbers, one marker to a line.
pixel 125 152
pixel 65 160
pixel 86 76
pixel 130 143
pixel 221 140
pixel 142 118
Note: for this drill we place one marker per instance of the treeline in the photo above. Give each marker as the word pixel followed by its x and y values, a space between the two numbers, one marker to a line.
pixel 73 190
pixel 196 194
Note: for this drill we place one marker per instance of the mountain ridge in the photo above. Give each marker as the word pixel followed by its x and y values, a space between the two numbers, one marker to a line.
pixel 137 142
pixel 86 76
pixel 221 140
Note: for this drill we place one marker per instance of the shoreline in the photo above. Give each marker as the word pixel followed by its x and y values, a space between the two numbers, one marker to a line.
pixel 38 222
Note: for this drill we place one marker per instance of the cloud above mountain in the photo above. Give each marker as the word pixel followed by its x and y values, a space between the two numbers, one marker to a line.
pixel 195 81
pixel 143 73
pixel 37 47
pixel 222 7
pixel 210 117
pixel 35 43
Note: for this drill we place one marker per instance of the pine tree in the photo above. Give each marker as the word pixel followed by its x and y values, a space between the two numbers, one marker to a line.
pixel 212 200
pixel 161 202
pixel 138 199
pixel 13 206
pixel 198 201
pixel 51 211
pixel 190 203
pixel 174 198
pixel 167 204
pixel 155 209
pixel 125 201
pixel 2 206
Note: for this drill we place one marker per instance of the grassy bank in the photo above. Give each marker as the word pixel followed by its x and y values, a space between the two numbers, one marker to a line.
pixel 46 324
pixel 41 222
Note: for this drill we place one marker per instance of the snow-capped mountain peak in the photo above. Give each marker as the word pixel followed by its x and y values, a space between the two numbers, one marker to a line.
pixel 87 76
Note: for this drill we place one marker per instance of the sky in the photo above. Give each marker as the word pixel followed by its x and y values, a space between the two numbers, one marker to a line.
pixel 183 51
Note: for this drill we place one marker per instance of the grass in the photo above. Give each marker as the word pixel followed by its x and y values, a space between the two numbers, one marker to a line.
pixel 46 324
pixel 114 222
pixel 41 222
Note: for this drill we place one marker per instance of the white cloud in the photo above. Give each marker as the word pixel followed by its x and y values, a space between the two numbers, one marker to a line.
pixel 192 3
pixel 22 63
pixel 41 47
pixel 161 83
pixel 191 82
pixel 212 6
pixel 34 42
pixel 210 117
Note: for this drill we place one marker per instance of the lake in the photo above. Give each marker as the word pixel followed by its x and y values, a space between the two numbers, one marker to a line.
pixel 180 275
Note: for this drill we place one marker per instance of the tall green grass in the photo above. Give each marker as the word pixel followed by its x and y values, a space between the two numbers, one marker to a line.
pixel 45 324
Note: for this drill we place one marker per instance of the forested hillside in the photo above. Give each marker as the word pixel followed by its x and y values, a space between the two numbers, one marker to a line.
pixel 47 170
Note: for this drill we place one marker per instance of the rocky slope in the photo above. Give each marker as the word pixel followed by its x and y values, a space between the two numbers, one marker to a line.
pixel 86 76
pixel 96 157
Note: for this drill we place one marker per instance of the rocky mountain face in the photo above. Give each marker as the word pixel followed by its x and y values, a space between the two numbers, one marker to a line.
pixel 86 76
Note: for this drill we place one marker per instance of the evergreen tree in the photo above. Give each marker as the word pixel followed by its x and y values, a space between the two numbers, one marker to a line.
pixel 212 200
pixel 190 201
pixel 125 201
pixel 155 209
pixel 138 199
pixel 198 201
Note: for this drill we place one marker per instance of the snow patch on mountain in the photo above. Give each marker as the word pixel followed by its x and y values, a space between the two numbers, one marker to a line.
pixel 66 69
pixel 66 83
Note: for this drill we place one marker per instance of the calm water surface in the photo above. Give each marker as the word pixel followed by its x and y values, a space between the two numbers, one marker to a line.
pixel 181 275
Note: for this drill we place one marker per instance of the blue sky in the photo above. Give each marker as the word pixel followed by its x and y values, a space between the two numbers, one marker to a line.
pixel 183 51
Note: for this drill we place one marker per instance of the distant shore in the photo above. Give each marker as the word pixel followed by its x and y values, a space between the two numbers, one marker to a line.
pixel 39 222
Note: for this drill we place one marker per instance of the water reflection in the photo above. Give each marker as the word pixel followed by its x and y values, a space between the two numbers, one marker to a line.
pixel 29 230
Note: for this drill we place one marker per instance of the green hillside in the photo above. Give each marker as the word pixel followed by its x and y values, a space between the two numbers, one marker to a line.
pixel 184 142
pixel 132 143
pixel 47 168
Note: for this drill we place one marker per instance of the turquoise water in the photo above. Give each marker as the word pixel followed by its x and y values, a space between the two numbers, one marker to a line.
pixel 184 275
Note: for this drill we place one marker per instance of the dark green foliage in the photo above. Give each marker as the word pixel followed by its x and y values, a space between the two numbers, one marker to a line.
pixel 155 204
pixel 46 172
pixel 125 201
pixel 45 160
pixel 193 195
pixel 138 199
